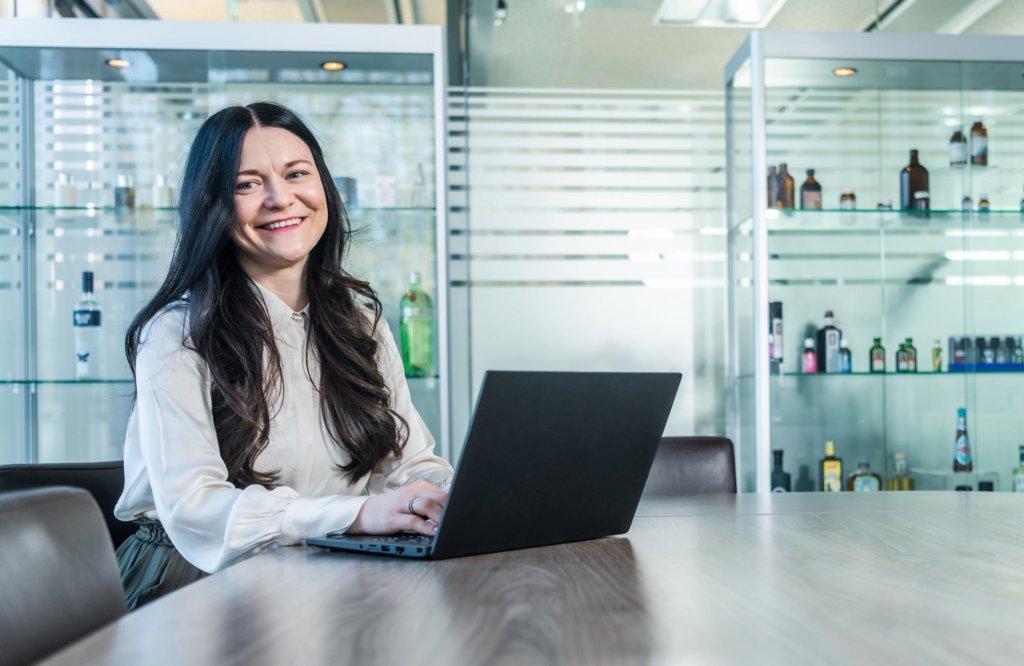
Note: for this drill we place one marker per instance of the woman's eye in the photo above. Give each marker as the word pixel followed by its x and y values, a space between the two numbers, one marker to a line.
pixel 247 185
pixel 297 174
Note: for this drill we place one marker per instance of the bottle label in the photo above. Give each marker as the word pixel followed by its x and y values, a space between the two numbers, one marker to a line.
pixel 979 147
pixel 87 317
pixel 958 153
pixel 832 351
pixel 812 200
pixel 962 453
pixel 777 338
pixel 408 313
pixel 832 476
pixel 877 360
pixel 865 484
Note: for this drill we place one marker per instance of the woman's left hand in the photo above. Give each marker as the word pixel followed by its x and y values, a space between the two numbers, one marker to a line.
pixel 416 508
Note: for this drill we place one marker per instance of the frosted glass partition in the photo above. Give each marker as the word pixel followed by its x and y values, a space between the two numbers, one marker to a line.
pixel 588 233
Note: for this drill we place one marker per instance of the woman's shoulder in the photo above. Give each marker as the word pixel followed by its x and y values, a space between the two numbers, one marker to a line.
pixel 168 327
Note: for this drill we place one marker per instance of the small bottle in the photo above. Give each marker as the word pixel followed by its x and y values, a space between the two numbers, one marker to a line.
pixel 787 189
pixel 163 194
pixel 885 205
pixel 831 469
pixel 774 187
pixel 913 178
pixel 911 355
pixel 810 193
pixel 416 327
pixel 809 358
pixel 937 356
pixel 804 483
pixel 962 450
pixel 877 358
pixel 901 480
pixel 845 358
pixel 966 205
pixel 124 193
pixel 1018 473
pixel 775 333
pixel 864 480
pixel 64 191
pixel 847 200
pixel 828 345
pixel 780 477
pixel 988 351
pixel 86 319
pixel 998 351
pixel 983 204
pixel 959 352
pixel 902 358
pixel 922 201
pixel 979 144
pixel 1017 355
pixel 958 148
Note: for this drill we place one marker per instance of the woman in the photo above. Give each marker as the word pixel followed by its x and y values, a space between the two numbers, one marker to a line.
pixel 270 396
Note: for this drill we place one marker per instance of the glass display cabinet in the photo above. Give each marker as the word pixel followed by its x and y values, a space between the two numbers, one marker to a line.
pixel 928 265
pixel 97 118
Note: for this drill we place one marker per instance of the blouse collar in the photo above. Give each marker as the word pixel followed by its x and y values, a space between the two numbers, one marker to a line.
pixel 280 312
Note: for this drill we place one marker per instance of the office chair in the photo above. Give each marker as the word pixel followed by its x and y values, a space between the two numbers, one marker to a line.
pixel 691 466
pixel 104 480
pixel 58 577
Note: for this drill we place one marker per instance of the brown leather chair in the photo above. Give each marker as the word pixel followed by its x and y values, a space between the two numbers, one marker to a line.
pixel 104 480
pixel 691 466
pixel 58 577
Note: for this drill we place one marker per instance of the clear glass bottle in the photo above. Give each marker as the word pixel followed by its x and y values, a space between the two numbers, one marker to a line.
pixel 877 356
pixel 416 314
pixel 937 356
pixel 774 186
pixel 901 479
pixel 810 193
pixel 864 480
pixel 87 318
pixel 845 357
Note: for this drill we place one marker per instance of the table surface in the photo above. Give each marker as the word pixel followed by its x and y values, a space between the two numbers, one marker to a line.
pixel 787 578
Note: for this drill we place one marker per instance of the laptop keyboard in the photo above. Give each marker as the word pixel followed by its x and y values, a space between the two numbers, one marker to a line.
pixel 410 539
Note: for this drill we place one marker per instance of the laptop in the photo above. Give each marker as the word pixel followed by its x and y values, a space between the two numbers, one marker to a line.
pixel 550 457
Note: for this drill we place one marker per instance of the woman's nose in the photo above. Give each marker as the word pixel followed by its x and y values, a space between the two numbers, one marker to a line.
pixel 277 194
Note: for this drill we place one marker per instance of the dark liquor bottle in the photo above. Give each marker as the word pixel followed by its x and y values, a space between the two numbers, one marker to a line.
pixel 780 477
pixel 810 193
pixel 958 148
pixel 787 188
pixel 804 482
pixel 86 319
pixel 829 344
pixel 877 356
pixel 962 451
pixel 979 144
pixel 774 185
pixel 831 469
pixel 913 178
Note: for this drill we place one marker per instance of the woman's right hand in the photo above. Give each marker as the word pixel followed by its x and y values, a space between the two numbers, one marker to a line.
pixel 389 513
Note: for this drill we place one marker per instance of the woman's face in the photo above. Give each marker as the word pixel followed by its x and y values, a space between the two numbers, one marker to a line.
pixel 280 204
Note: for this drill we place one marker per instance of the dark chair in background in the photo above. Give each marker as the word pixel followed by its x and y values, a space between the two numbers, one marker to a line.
pixel 692 466
pixel 58 577
pixel 104 480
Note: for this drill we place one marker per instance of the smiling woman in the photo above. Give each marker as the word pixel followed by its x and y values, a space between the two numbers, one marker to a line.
pixel 270 396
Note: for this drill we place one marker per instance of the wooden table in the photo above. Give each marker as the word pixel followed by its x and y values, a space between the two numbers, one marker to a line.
pixel 892 578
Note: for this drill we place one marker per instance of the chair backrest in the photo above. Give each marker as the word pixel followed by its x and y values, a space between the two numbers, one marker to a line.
pixel 692 465
pixel 58 577
pixel 104 480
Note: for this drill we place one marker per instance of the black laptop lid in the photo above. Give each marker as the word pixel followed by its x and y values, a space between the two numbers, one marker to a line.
pixel 553 457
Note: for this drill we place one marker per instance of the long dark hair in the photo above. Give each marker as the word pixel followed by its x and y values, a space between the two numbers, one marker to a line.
pixel 228 324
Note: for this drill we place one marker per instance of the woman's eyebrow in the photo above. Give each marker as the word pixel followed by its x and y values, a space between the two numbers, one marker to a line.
pixel 289 165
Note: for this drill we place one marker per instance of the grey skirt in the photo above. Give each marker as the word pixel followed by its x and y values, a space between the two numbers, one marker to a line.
pixel 151 566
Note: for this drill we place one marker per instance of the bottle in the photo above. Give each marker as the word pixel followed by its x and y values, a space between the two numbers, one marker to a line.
pixel 979 144
pixel 962 451
pixel 831 469
pixel 958 148
pixel 845 358
pixel 913 178
pixel 877 360
pixel 810 193
pixel 774 186
pixel 124 193
pixel 966 205
pixel 775 331
pixel 986 486
pixel 416 314
pixel 937 356
pixel 983 204
pixel 163 194
pixel 1018 474
pixel 804 483
pixel 1017 355
pixel 911 350
pixel 829 338
pixel 980 352
pixel 64 192
pixel 787 187
pixel 847 200
pixel 864 480
pixel 809 359
pixel 780 477
pixel 901 358
pixel 988 352
pixel 998 351
pixel 86 319
pixel 900 480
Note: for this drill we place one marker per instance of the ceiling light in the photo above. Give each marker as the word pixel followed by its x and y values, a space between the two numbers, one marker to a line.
pixel 844 71
pixel 118 63
pixel 718 13
pixel 332 66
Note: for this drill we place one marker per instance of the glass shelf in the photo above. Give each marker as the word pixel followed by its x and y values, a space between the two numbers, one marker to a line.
pixel 134 211
pixel 62 382
pixel 817 375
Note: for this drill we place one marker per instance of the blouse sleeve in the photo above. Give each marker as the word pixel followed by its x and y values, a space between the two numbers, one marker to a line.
pixel 418 461
pixel 210 521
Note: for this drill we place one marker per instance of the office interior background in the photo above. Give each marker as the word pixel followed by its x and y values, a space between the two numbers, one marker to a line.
pixel 585 207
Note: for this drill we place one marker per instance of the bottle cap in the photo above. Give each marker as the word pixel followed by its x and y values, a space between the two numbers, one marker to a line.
pixel 828 313
pixel 808 343
pixel 87 282
pixel 414 277
pixel 830 448
pixel 961 411
pixel 810 172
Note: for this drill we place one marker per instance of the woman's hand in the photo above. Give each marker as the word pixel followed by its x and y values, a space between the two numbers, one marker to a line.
pixel 406 509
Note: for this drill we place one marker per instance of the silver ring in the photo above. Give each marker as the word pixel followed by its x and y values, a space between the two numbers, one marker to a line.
pixel 409 507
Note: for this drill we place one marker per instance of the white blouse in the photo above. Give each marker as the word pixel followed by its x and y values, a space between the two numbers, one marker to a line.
pixel 173 468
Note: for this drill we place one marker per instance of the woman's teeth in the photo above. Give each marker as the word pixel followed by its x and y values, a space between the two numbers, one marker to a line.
pixel 291 222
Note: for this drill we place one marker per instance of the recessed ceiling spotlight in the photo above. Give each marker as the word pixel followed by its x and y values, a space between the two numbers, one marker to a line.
pixel 844 71
pixel 332 66
pixel 118 63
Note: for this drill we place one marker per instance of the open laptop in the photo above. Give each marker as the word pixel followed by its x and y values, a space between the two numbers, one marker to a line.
pixel 550 457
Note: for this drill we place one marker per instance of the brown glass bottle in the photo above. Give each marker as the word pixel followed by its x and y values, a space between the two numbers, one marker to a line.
pixel 810 193
pixel 774 200
pixel 787 187
pixel 979 144
pixel 958 148
pixel 913 178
